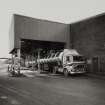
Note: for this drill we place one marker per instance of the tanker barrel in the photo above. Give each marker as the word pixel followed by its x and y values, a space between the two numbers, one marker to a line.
pixel 54 57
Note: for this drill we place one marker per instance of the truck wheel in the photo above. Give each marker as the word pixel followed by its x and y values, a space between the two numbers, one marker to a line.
pixel 55 70
pixel 66 73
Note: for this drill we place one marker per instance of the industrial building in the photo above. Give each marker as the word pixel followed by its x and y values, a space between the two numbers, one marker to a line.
pixel 29 35
pixel 88 37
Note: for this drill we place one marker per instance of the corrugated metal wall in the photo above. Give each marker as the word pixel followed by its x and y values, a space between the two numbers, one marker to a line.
pixel 88 37
pixel 11 36
pixel 36 29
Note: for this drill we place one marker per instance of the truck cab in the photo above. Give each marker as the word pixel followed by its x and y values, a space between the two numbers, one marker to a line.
pixel 73 63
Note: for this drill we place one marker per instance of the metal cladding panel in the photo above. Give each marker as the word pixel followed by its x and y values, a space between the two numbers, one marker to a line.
pixel 88 36
pixel 36 29
pixel 52 31
pixel 11 36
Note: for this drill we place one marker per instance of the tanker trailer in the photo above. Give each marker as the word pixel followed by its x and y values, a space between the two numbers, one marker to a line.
pixel 68 61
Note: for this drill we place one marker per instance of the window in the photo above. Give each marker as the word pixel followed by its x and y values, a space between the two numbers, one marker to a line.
pixel 68 59
pixel 78 58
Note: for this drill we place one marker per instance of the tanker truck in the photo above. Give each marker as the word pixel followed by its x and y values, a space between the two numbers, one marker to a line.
pixel 68 61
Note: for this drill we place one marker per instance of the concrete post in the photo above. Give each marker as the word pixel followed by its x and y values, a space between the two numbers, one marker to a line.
pixel 19 57
pixel 39 50
pixel 38 60
pixel 12 58
pixel 18 53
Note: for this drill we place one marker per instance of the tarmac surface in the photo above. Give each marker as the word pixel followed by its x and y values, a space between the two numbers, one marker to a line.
pixel 47 89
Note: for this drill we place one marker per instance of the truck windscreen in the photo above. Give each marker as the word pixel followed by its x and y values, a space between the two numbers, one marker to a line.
pixel 78 58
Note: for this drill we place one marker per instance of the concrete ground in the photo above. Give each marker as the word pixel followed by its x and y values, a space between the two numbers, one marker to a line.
pixel 47 89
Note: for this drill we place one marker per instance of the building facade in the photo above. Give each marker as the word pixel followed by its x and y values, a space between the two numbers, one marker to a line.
pixel 23 27
pixel 86 36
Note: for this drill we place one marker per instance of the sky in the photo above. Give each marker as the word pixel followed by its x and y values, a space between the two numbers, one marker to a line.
pixel 65 11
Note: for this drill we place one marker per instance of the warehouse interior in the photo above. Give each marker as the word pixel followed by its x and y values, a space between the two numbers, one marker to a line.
pixel 30 48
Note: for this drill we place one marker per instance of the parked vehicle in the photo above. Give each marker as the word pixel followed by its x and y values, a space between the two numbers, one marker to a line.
pixel 68 61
